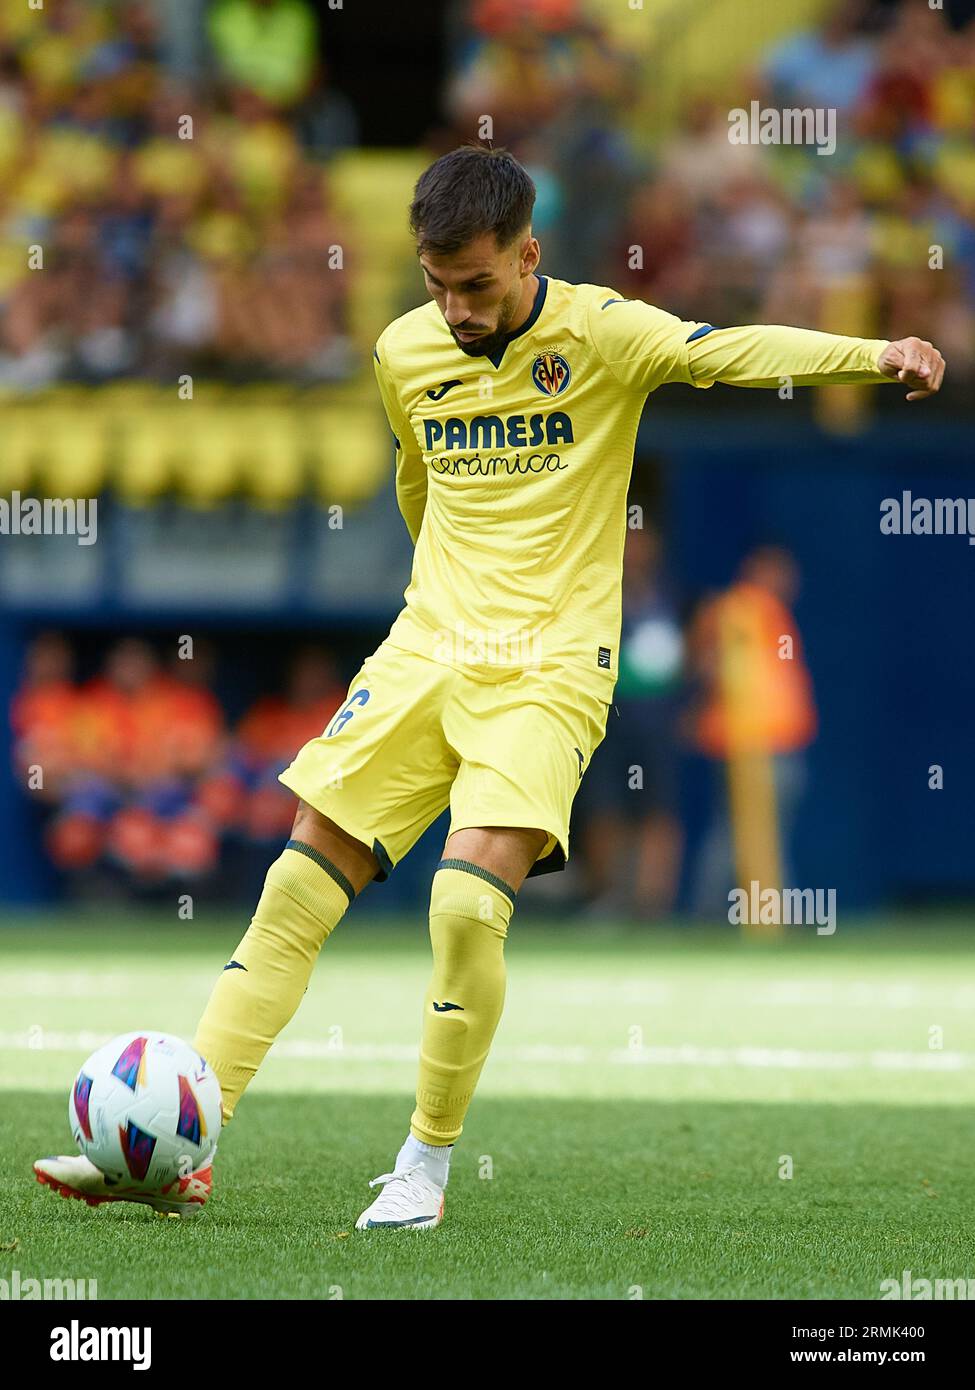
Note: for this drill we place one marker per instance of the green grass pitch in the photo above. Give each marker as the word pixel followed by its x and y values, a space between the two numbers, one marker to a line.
pixel 645 1095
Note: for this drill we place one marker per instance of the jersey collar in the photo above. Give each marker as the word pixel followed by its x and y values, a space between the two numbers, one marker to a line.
pixel 530 321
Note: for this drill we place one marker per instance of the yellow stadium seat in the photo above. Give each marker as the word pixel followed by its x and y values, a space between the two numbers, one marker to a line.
pixel 370 190
pixel 144 460
pixel 206 456
pixel 72 455
pixel 353 453
pixel 273 473
pixel 18 449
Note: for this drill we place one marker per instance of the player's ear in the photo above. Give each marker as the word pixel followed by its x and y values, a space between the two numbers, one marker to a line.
pixel 531 254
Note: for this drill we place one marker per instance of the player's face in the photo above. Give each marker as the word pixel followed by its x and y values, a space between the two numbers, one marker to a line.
pixel 481 290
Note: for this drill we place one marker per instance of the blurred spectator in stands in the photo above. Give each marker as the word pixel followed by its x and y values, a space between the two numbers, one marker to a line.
pixel 270 49
pixel 748 235
pixel 587 133
pixel 117 717
pixel 831 66
pixel 275 728
pixel 285 307
pixel 193 739
pixel 657 257
pixel 109 739
pixel 904 233
pixel 631 835
pixel 700 158
pixel 42 717
pixel 195 726
pixel 754 717
pixel 555 88
pixel 898 103
pixel 268 46
pixel 140 740
pixel 517 64
pixel 828 267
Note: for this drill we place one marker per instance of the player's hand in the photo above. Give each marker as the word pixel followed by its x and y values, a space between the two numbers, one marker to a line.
pixel 916 363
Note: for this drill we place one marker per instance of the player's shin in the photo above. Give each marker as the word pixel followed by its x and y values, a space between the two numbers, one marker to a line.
pixel 261 986
pixel 469 916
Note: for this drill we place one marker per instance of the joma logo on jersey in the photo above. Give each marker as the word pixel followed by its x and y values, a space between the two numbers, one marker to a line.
pixel 550 373
pixel 497 432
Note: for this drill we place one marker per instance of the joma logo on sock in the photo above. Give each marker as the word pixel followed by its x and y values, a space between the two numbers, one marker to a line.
pixel 446 1005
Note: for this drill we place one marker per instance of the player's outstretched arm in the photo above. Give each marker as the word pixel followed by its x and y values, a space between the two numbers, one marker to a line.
pixel 760 355
pixel 644 347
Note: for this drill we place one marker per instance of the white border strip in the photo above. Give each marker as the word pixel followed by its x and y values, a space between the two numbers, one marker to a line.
pixel 746 1058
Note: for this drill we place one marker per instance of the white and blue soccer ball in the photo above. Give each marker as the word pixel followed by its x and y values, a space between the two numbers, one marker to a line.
pixel 145 1109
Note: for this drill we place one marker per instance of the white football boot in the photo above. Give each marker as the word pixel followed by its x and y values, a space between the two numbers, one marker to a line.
pixel 410 1200
pixel 76 1176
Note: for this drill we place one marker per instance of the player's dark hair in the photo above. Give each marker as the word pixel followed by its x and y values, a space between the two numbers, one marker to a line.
pixel 466 193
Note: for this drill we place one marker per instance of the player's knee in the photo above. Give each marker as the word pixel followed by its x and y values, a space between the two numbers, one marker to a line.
pixel 310 824
pixel 508 853
pixel 352 857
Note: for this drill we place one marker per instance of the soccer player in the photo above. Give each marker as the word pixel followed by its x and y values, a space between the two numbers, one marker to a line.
pixel 514 400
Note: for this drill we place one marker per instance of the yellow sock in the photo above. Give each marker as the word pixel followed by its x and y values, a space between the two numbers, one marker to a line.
pixel 469 914
pixel 260 988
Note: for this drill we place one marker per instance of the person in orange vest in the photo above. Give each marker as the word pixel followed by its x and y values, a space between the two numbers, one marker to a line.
pixel 42 716
pixel 274 727
pixel 755 716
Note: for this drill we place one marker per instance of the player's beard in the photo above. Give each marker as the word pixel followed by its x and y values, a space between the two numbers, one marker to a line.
pixel 491 343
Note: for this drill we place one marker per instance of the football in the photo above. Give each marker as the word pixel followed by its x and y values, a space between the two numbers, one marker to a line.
pixel 145 1108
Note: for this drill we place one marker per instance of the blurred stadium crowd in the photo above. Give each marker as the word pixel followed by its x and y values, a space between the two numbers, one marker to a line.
pixel 739 233
pixel 141 775
pixel 168 247
pixel 212 253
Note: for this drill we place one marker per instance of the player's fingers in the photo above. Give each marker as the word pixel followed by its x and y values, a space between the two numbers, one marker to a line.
pixel 930 371
pixel 927 352
pixel 910 348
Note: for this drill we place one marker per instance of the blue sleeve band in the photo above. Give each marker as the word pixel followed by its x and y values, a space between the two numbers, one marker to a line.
pixel 700 332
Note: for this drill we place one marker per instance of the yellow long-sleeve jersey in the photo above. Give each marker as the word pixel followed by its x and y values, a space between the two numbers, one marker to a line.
pixel 512 471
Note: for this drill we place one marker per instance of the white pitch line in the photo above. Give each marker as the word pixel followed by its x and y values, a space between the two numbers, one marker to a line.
pixel 747 1058
pixel 50 984
pixel 792 1059
pixel 783 993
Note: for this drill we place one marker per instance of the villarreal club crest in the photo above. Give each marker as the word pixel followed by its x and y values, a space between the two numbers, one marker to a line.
pixel 550 373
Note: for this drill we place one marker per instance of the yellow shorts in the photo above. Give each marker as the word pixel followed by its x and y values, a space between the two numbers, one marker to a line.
pixel 414 736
